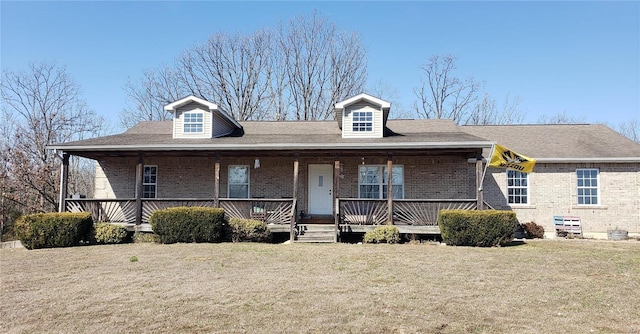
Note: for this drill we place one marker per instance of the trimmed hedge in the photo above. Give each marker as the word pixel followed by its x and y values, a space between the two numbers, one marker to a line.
pixel 105 233
pixel 486 228
pixel 188 224
pixel 247 230
pixel 383 234
pixel 47 230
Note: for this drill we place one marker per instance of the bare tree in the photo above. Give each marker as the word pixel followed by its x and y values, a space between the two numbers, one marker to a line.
pixel 561 118
pixel 630 130
pixel 387 92
pixel 323 65
pixel 442 94
pixel 298 73
pixel 487 112
pixel 232 71
pixel 43 106
pixel 147 98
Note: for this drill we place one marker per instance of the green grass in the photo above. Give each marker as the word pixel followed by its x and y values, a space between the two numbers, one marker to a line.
pixel 570 286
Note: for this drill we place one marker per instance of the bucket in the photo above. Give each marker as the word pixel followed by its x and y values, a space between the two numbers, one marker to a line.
pixel 617 234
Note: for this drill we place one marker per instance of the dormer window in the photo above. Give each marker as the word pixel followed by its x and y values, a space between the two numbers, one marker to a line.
pixel 194 117
pixel 362 116
pixel 362 121
pixel 193 122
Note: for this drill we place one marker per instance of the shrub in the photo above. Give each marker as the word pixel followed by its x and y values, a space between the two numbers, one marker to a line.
pixel 383 234
pixel 533 230
pixel 105 233
pixel 477 228
pixel 188 224
pixel 248 230
pixel 139 237
pixel 47 230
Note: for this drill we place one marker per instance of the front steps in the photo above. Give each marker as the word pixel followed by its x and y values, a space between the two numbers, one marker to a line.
pixel 316 233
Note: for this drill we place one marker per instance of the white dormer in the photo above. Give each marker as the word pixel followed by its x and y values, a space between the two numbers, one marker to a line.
pixel 362 116
pixel 194 117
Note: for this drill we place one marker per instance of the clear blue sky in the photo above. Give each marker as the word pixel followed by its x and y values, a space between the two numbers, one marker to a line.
pixel 581 58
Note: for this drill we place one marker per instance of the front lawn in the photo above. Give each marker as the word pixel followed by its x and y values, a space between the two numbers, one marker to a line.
pixel 548 286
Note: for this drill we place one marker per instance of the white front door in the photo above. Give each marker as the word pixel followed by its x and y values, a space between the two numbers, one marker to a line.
pixel 320 189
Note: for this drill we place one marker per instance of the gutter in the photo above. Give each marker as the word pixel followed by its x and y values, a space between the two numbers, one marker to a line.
pixel 582 160
pixel 579 160
pixel 281 146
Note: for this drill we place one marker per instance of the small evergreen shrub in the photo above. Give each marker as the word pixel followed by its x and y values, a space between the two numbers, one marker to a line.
pixel 47 230
pixel 140 237
pixel 246 230
pixel 533 230
pixel 383 234
pixel 485 228
pixel 188 224
pixel 105 233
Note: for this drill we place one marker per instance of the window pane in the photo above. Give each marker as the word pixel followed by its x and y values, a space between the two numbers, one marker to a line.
pixel 517 187
pixel 238 174
pixel 369 191
pixel 238 191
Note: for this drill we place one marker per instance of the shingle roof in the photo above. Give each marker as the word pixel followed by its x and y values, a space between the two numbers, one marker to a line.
pixel 560 141
pixel 313 135
pixel 582 142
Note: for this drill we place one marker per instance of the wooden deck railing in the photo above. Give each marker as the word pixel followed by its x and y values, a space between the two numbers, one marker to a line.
pixel 416 212
pixel 105 210
pixel 271 211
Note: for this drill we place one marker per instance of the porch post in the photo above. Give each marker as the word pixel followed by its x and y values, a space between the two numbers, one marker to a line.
pixel 294 210
pixel 216 186
pixel 64 182
pixel 389 188
pixel 139 176
pixel 336 195
pixel 479 195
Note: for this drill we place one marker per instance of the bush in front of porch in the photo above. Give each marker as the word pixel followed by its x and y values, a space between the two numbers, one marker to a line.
pixel 383 234
pixel 47 230
pixel 248 230
pixel 105 233
pixel 189 224
pixel 486 228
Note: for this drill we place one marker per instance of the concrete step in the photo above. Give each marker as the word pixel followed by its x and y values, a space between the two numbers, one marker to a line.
pixel 316 233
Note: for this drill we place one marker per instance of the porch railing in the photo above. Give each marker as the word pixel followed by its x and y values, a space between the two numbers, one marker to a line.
pixel 271 211
pixel 416 212
pixel 105 210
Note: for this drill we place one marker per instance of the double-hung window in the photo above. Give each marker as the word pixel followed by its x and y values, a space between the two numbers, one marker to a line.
pixel 587 186
pixel 149 181
pixel 238 181
pixel 373 181
pixel 362 121
pixel 193 122
pixel 517 187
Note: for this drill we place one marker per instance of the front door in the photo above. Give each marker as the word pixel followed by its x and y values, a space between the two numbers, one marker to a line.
pixel 320 189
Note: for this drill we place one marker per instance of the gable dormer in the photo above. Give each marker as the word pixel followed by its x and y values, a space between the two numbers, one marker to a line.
pixel 362 116
pixel 194 117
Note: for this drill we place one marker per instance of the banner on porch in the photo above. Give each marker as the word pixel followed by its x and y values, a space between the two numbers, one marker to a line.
pixel 505 158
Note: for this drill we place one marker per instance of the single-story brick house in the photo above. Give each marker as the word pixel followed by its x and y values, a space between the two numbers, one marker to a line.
pixel 296 174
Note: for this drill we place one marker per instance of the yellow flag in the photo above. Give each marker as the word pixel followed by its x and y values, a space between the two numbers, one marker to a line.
pixel 506 158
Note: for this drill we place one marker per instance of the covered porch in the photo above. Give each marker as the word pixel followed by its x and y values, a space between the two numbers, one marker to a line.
pixel 287 189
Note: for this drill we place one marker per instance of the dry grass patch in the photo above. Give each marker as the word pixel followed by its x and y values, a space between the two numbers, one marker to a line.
pixel 572 286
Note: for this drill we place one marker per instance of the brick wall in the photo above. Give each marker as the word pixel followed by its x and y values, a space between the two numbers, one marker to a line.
pixel 553 191
pixel 552 188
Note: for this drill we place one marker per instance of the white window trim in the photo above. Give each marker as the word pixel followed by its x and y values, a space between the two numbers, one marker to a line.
pixel 518 187
pixel 360 113
pixel 155 184
pixel 185 123
pixel 248 181
pixel 597 187
pixel 382 183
